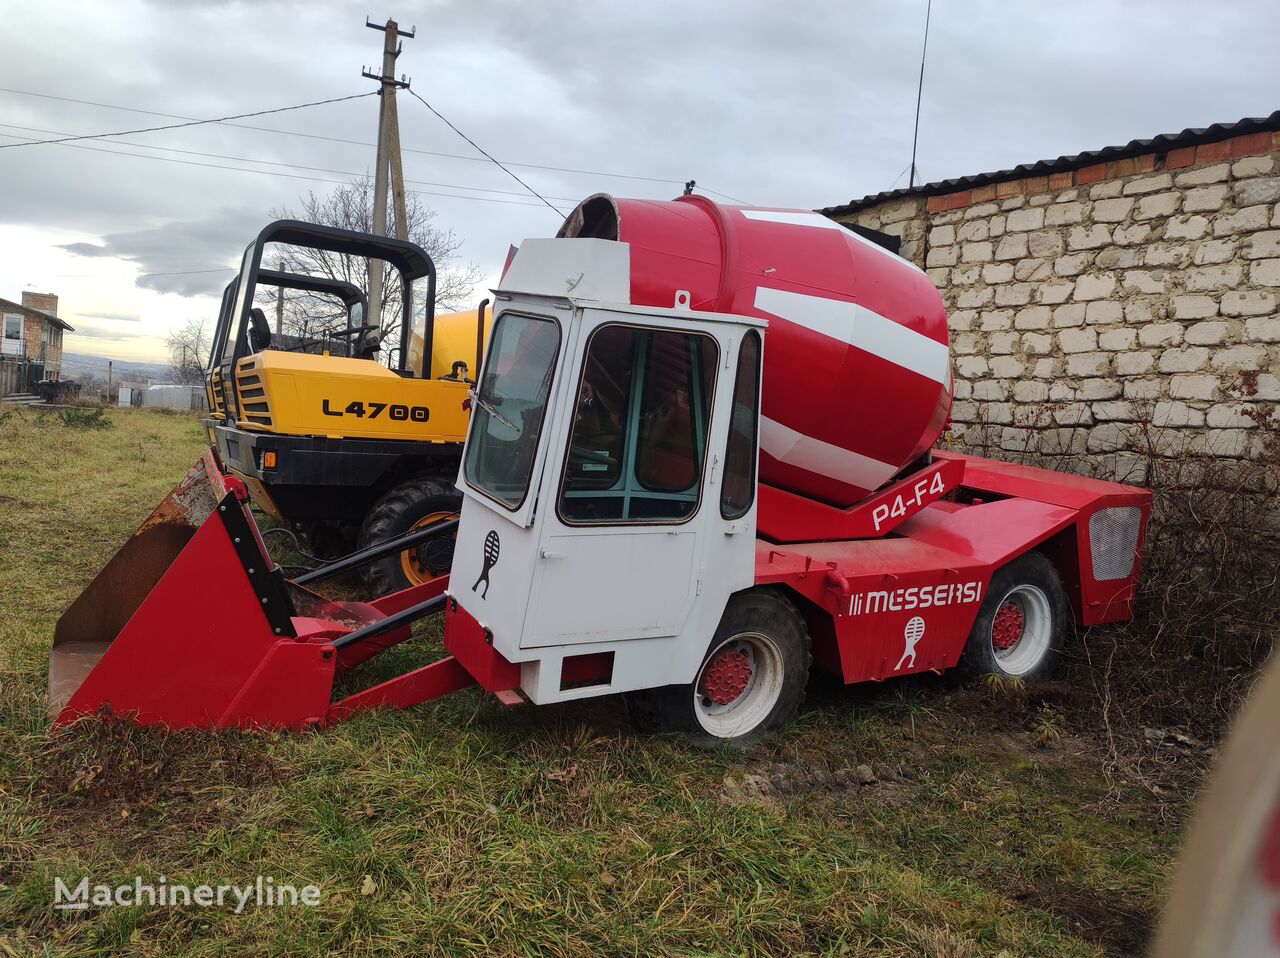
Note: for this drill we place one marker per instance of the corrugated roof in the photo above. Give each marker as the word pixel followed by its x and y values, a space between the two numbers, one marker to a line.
pixel 1157 144
pixel 60 323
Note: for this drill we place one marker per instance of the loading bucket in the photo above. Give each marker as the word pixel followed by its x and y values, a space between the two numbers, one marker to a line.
pixel 192 625
pixel 88 628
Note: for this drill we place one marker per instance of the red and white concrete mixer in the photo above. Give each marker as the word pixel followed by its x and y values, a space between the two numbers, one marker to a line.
pixel 706 604
pixel 857 375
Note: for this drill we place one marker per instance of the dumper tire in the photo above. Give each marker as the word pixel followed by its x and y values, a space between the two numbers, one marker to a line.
pixel 409 504
pixel 764 626
pixel 1022 625
pixel 329 539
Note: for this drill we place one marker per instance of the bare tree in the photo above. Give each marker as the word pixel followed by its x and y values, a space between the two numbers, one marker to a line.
pixel 350 207
pixel 91 385
pixel 188 352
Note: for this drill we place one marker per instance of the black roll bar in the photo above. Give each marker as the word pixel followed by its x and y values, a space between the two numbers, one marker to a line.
pixel 409 259
pixel 350 294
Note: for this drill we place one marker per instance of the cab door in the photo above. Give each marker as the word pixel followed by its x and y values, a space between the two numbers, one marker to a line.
pixel 620 548
pixel 502 465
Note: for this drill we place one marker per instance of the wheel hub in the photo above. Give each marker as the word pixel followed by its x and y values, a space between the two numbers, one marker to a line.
pixel 436 553
pixel 433 557
pixel 1008 626
pixel 727 675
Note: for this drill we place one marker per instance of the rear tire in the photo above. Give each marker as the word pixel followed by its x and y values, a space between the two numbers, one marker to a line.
pixel 406 507
pixel 329 539
pixel 751 681
pixel 1022 625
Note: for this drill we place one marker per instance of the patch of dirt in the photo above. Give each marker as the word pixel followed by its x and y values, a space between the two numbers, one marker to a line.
pixel 1009 706
pixel 145 785
pixel 1122 929
pixel 776 782
pixel 107 760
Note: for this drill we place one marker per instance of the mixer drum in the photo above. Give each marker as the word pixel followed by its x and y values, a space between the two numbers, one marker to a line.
pixel 857 375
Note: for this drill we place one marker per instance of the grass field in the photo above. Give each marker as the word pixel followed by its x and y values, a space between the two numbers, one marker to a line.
pixel 912 819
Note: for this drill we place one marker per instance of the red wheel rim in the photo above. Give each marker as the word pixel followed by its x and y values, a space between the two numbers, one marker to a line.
pixel 727 675
pixel 1008 626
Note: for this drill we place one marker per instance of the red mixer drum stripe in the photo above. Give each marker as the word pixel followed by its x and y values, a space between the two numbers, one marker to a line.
pixel 818 221
pixel 813 455
pixel 860 327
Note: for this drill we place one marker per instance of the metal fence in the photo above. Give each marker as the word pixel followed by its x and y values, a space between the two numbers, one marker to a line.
pixel 19 374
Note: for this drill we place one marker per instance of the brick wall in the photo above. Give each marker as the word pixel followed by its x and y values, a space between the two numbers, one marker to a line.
pixel 45 302
pixel 1085 303
pixel 32 330
pixel 39 347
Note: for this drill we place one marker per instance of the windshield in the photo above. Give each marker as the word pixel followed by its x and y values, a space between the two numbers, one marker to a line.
pixel 219 329
pixel 237 309
pixel 515 387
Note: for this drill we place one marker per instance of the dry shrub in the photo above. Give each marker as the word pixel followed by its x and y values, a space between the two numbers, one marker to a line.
pixel 85 417
pixel 1209 595
pixel 85 401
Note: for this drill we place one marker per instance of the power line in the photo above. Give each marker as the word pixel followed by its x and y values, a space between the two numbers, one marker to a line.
pixel 899 176
pixel 178 126
pixel 337 139
pixel 291 176
pixel 415 95
pixel 343 140
pixel 731 199
pixel 295 166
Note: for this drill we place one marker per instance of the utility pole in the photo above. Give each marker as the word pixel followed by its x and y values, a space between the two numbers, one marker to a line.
pixel 279 310
pixel 109 372
pixel 388 161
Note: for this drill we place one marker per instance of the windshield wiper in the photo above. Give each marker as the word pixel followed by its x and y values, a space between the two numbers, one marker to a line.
pixel 475 398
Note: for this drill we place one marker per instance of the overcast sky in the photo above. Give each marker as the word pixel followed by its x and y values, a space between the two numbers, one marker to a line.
pixel 801 104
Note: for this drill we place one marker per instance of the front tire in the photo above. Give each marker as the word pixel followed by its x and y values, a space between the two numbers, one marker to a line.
pixel 411 505
pixel 1022 625
pixel 751 681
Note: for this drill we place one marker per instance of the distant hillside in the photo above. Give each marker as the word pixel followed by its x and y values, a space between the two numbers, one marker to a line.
pixel 75 365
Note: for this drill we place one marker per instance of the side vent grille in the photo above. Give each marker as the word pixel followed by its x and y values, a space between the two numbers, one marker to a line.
pixel 1113 541
pixel 216 388
pixel 254 408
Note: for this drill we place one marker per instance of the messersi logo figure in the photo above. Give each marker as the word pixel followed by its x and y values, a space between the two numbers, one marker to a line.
pixel 912 634
pixel 490 560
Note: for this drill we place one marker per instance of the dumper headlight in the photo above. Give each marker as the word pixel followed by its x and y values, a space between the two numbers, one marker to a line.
pixel 1113 541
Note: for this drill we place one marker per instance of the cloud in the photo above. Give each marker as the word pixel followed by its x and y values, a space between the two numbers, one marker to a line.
pixel 162 253
pixel 771 103
pixel 111 317
pixel 86 249
pixel 108 335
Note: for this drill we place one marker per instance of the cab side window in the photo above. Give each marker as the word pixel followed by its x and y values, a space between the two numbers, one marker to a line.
pixel 739 489
pixel 638 446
